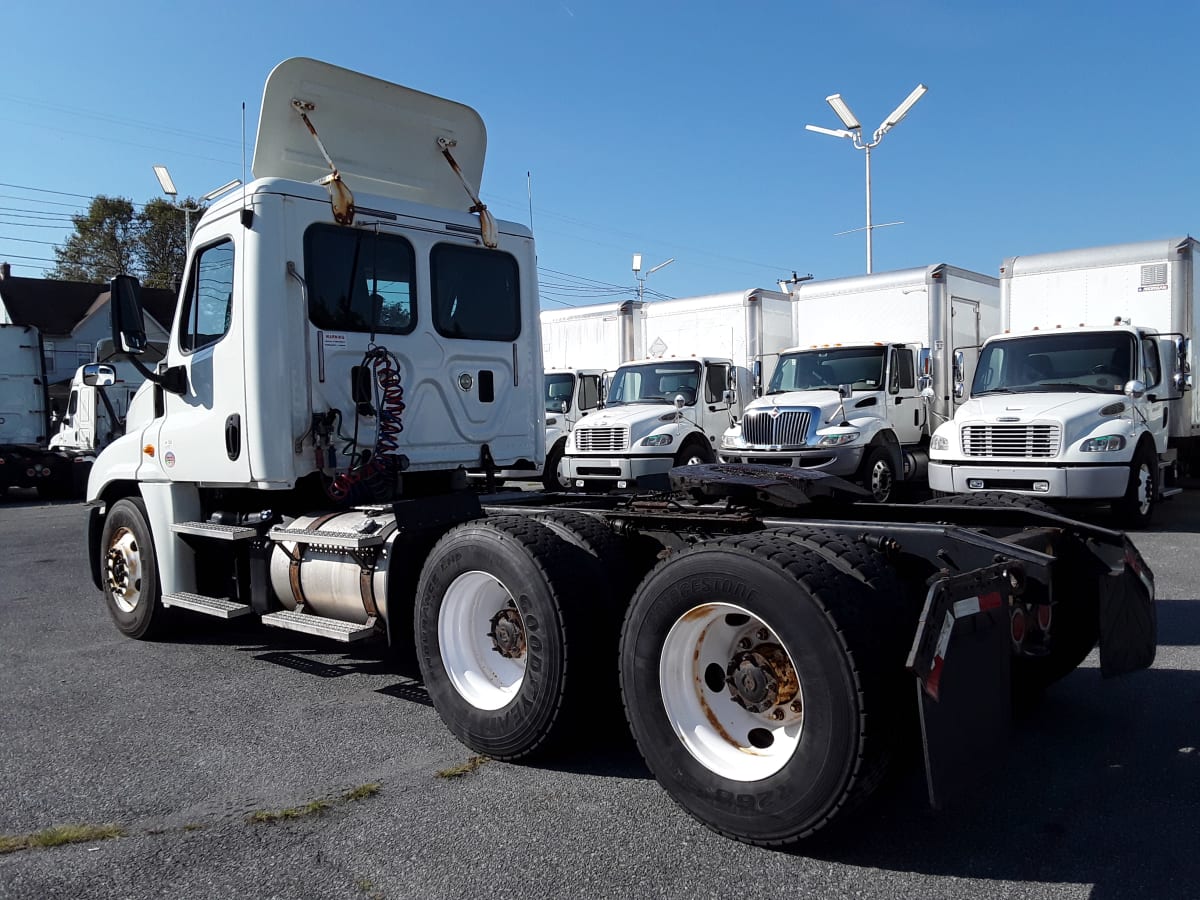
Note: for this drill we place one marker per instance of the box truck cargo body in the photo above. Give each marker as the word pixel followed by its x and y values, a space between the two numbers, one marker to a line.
pixel 847 399
pixel 1087 393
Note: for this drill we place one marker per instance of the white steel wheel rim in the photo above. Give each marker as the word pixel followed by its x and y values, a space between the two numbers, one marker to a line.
pixel 881 480
pixel 1143 489
pixel 123 570
pixel 479 672
pixel 722 735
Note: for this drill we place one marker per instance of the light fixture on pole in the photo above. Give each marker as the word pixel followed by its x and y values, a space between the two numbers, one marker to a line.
pixel 853 130
pixel 168 187
pixel 641 279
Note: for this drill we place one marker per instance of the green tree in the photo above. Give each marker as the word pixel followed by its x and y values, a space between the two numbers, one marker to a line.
pixel 104 243
pixel 111 238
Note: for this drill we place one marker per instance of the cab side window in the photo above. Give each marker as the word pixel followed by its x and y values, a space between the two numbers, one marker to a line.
pixel 589 392
pixel 903 372
pixel 1151 361
pixel 716 379
pixel 208 300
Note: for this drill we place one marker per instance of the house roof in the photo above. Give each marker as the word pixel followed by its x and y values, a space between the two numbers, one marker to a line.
pixel 58 307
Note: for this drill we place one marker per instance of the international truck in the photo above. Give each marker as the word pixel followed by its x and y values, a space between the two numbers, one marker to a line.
pixel 687 368
pixel 870 377
pixel 29 455
pixel 1087 394
pixel 297 459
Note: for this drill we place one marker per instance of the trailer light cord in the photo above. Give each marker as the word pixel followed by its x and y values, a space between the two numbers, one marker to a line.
pixel 365 478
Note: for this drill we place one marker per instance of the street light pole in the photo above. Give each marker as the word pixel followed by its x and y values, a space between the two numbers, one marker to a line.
pixel 853 131
pixel 168 187
pixel 641 279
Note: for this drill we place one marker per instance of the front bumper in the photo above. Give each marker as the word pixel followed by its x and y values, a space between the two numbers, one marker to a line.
pixel 841 461
pixel 1065 483
pixel 583 470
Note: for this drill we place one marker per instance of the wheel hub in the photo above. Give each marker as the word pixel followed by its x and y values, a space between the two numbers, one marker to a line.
pixel 508 633
pixel 118 571
pixel 761 678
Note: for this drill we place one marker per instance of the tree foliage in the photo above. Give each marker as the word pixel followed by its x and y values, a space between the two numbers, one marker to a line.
pixel 112 238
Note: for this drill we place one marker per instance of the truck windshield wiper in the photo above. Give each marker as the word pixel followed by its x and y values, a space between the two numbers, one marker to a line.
pixel 1071 386
pixel 995 390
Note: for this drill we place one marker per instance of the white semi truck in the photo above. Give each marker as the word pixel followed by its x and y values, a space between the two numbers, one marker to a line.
pixel 354 332
pixel 849 398
pixel 687 367
pixel 1086 395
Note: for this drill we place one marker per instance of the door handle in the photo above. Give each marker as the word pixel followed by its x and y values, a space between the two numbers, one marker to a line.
pixel 233 436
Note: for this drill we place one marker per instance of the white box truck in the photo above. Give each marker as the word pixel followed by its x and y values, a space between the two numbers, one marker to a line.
pixel 687 367
pixel 848 399
pixel 766 654
pixel 1086 395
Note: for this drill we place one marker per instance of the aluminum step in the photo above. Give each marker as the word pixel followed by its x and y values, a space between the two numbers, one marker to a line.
pixel 335 629
pixel 210 606
pixel 1171 491
pixel 346 539
pixel 215 531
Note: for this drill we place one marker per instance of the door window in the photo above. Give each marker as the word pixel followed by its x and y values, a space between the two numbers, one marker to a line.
pixel 589 392
pixel 476 293
pixel 208 301
pixel 1150 358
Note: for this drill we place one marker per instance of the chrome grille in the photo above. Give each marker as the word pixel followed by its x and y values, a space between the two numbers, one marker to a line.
pixel 1035 441
pixel 602 440
pixel 788 429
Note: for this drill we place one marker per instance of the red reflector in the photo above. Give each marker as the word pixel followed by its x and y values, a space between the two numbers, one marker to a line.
pixel 1044 615
pixel 1017 625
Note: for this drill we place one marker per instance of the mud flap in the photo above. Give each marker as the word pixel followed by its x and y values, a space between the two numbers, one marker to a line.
pixel 961 656
pixel 1128 620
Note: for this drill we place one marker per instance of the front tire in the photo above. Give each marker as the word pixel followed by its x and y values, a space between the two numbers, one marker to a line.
pixel 129 571
pixel 499 645
pixel 758 686
pixel 695 451
pixel 551 480
pixel 879 474
pixel 1136 508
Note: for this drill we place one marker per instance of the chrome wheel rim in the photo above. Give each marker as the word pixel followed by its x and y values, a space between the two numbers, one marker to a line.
pixel 123 569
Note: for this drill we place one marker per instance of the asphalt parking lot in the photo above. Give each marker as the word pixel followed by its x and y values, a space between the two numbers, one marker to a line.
pixel 242 760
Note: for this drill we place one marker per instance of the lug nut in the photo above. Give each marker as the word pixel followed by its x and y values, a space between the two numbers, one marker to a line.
pixel 777 714
pixel 796 707
pixel 744 644
pixel 762 634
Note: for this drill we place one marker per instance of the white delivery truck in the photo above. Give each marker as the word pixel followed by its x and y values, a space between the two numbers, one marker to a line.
pixel 355 331
pixel 29 455
pixel 95 414
pixel 1086 395
pixel 848 400
pixel 687 367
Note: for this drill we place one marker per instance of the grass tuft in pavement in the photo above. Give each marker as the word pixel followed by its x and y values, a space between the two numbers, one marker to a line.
pixel 313 807
pixel 463 768
pixel 59 835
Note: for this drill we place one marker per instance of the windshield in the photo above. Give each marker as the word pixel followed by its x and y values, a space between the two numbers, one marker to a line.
pixel 560 388
pixel 654 383
pixel 811 370
pixel 1092 363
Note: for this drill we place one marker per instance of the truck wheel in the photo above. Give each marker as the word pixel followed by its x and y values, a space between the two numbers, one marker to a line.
pixel 622 562
pixel 879 474
pixel 496 638
pixel 755 679
pixel 130 571
pixel 551 481
pixel 695 451
pixel 1136 508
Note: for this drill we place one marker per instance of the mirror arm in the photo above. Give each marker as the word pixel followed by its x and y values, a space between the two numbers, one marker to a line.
pixel 174 380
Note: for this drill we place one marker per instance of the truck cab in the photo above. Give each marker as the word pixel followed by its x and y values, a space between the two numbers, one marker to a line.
pixel 850 410
pixel 1066 414
pixel 658 413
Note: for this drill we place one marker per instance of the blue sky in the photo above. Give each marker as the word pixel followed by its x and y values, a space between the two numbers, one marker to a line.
pixel 673 129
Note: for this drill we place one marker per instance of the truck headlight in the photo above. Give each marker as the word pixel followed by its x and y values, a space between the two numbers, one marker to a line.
pixel 1103 444
pixel 733 440
pixel 656 440
pixel 939 442
pixel 837 440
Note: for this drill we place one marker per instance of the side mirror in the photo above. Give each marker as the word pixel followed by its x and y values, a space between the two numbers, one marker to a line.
pixel 728 398
pixel 1183 378
pixel 680 401
pixel 845 390
pixel 99 375
pixel 757 374
pixel 1135 389
pixel 128 326
pixel 925 383
pixel 960 376
pixel 564 406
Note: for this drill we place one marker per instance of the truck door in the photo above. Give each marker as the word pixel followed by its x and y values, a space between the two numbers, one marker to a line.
pixel 201 436
pixel 1157 391
pixel 965 336
pixel 86 425
pixel 906 412
pixel 715 410
pixel 588 397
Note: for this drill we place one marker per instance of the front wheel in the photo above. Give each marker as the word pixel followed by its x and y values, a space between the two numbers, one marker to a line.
pixel 551 479
pixel 129 571
pixel 1136 508
pixel 879 474
pixel 695 451
pixel 758 692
